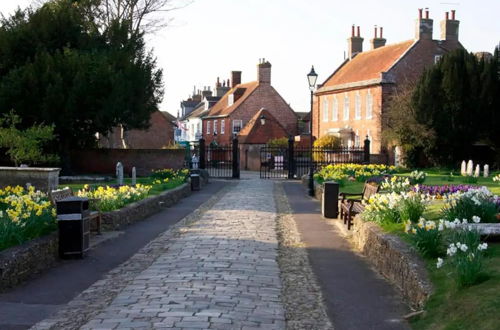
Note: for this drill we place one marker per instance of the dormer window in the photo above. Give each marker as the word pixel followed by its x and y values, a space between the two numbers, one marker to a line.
pixel 230 100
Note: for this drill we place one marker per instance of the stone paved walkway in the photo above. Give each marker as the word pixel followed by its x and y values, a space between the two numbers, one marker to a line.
pixel 220 272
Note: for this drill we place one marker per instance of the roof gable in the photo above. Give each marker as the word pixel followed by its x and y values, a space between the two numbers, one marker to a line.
pixel 256 133
pixel 221 108
pixel 369 64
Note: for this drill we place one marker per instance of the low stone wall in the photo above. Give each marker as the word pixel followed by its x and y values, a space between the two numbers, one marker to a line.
pixel 22 262
pixel 394 259
pixel 137 211
pixel 42 178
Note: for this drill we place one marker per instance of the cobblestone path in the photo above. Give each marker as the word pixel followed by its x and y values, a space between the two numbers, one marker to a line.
pixel 220 272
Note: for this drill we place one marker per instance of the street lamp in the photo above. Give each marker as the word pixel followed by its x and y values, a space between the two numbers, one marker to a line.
pixel 262 120
pixel 311 78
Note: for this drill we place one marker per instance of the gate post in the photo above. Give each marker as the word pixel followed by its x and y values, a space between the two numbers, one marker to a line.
pixel 366 158
pixel 291 163
pixel 236 158
pixel 202 153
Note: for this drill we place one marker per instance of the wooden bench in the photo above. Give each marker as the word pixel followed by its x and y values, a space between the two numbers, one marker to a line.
pixel 59 194
pixel 350 207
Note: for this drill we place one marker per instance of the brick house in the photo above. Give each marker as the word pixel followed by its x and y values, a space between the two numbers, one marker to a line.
pixel 351 101
pixel 240 104
pixel 159 134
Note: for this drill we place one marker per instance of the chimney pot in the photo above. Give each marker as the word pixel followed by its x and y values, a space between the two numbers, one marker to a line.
pixel 381 32
pixel 358 31
pixel 446 16
pixel 375 36
pixel 353 34
pixel 420 13
pixel 453 14
pixel 426 13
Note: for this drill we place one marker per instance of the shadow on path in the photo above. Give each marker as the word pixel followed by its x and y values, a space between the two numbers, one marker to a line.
pixel 356 296
pixel 23 306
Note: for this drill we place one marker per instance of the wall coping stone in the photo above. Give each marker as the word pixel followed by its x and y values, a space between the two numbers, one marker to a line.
pixel 30 169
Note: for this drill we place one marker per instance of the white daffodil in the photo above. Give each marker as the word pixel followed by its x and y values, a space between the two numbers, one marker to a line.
pixel 439 263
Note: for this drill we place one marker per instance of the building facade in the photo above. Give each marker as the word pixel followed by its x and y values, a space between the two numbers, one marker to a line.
pixel 240 104
pixel 351 102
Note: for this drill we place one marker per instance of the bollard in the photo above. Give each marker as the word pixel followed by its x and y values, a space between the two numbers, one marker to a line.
pixel 330 202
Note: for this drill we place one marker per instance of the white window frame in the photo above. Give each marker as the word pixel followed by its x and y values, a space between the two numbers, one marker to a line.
pixel 357 106
pixel 230 100
pixel 346 106
pixel 335 109
pixel 208 127
pixel 325 109
pixel 215 126
pixel 222 126
pixel 369 105
pixel 233 126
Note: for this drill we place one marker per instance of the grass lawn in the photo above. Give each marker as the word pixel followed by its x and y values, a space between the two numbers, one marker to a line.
pixel 155 190
pixel 476 307
pixel 449 308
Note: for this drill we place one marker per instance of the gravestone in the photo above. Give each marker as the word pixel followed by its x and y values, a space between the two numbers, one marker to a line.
pixel 486 171
pixel 134 176
pixel 470 168
pixel 478 171
pixel 119 173
pixel 463 169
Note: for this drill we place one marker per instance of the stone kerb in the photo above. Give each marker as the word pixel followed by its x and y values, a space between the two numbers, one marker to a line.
pixel 42 178
pixel 394 259
pixel 20 263
pixel 142 209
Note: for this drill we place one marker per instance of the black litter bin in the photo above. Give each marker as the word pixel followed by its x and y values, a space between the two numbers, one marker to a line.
pixel 330 202
pixel 74 226
pixel 195 182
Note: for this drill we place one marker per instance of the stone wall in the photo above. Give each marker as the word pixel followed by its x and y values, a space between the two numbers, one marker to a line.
pixel 44 179
pixel 142 209
pixel 394 259
pixel 103 161
pixel 22 262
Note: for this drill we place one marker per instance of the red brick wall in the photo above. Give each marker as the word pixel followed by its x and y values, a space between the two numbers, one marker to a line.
pixel 103 161
pixel 265 96
pixel 158 135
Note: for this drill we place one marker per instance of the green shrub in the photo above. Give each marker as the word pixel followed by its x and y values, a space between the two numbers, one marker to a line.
pixel 328 141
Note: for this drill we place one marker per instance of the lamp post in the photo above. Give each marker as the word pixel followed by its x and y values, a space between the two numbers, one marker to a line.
pixel 311 78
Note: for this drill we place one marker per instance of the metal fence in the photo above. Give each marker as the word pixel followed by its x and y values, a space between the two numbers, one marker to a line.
pixel 218 161
pixel 293 163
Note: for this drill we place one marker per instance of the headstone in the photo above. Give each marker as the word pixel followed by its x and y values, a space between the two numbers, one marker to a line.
pixel 486 171
pixel 134 178
pixel 470 168
pixel 477 171
pixel 463 169
pixel 119 173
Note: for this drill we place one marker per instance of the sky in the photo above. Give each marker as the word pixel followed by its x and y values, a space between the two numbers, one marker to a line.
pixel 210 38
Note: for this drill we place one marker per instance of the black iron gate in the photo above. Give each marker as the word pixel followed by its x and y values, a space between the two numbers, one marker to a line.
pixel 293 162
pixel 218 161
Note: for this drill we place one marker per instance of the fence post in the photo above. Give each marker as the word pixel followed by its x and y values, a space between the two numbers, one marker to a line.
pixel 202 153
pixel 366 158
pixel 236 160
pixel 291 163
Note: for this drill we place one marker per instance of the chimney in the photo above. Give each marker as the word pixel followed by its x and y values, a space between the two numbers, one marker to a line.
pixel 354 43
pixel 264 72
pixel 221 89
pixel 378 41
pixel 423 29
pixel 449 27
pixel 235 78
pixel 206 92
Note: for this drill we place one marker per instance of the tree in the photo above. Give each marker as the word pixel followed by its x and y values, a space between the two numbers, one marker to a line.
pixel 452 106
pixel 147 16
pixel 25 146
pixel 61 69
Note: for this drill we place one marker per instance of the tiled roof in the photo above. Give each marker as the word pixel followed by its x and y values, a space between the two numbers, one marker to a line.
pixel 168 116
pixel 197 112
pixel 221 108
pixel 369 64
pixel 256 133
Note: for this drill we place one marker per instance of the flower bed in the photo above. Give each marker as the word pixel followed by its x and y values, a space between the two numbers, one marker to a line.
pixel 358 172
pixel 24 215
